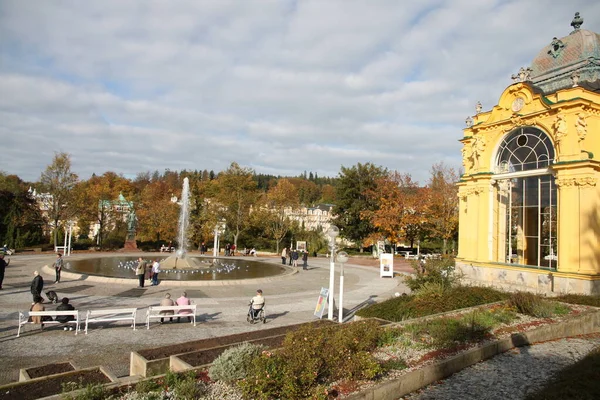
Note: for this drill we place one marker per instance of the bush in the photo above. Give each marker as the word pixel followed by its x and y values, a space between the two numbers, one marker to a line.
pixel 83 244
pixel 534 305
pixel 85 392
pixel 313 357
pixel 234 362
pixel 582 299
pixel 147 386
pixel 437 271
pixel 419 305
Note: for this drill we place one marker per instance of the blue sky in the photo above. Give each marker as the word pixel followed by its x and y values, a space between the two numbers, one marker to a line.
pixel 278 86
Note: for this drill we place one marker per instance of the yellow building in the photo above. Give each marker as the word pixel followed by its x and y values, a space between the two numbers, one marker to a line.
pixel 530 196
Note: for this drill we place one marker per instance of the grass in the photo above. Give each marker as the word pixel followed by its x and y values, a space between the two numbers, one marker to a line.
pixel 579 381
pixel 582 299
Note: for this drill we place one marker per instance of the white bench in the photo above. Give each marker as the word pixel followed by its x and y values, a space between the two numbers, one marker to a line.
pixel 155 312
pixel 109 315
pixel 24 318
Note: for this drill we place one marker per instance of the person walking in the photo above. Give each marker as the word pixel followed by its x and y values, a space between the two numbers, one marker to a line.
pixel 140 271
pixel 283 255
pixel 3 265
pixel 155 271
pixel 305 260
pixel 37 284
pixel 58 264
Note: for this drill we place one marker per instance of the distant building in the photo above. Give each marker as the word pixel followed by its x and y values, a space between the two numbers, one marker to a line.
pixel 316 218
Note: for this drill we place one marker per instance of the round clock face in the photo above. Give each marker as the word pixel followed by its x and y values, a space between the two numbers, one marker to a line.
pixel 518 104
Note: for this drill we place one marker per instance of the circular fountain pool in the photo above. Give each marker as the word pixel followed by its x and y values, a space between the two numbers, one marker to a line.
pixel 209 269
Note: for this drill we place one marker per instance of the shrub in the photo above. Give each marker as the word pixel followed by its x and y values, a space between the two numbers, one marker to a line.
pixel 534 305
pixel 147 386
pixel 419 305
pixel 440 271
pixel 312 358
pixel 234 362
pixel 85 392
pixel 580 299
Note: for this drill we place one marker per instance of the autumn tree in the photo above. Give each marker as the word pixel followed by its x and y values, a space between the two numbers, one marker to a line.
pixel 351 193
pixel 157 214
pixel 281 200
pixel 397 196
pixel 236 192
pixel 97 202
pixel 58 181
pixel 442 205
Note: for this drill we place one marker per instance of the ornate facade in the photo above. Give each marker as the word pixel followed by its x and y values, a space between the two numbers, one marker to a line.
pixel 529 212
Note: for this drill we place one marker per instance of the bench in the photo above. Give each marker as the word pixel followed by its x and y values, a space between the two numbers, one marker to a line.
pixel 24 318
pixel 155 312
pixel 109 315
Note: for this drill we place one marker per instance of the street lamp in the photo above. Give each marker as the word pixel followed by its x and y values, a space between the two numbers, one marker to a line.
pixel 342 257
pixel 332 232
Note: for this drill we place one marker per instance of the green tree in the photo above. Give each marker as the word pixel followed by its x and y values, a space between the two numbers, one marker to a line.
pixel 352 200
pixel 21 222
pixel 236 192
pixel 58 181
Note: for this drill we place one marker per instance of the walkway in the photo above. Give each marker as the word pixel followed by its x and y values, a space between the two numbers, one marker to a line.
pixel 221 311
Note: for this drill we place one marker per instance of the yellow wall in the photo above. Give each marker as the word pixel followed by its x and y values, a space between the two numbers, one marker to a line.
pixel 571 118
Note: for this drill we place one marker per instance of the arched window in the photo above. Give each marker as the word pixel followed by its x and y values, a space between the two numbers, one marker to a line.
pixel 525 208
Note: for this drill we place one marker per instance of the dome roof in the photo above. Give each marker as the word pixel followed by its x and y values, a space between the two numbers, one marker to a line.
pixel 568 61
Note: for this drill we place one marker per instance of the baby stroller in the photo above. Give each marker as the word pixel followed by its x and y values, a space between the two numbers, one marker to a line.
pixel 256 315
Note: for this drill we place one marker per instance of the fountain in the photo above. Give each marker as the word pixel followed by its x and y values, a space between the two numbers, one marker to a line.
pixel 180 266
pixel 180 260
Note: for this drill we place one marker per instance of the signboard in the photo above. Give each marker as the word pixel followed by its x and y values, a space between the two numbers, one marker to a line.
pixel 386 265
pixel 301 245
pixel 321 302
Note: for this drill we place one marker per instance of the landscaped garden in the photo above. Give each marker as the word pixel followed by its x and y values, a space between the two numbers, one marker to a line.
pixel 439 319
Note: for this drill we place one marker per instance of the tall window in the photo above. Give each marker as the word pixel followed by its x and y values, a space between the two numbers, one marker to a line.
pixel 525 210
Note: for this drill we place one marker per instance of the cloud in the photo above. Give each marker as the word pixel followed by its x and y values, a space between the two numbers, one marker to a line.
pixel 279 86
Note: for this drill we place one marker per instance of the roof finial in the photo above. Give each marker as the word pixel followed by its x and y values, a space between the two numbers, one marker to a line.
pixel 576 23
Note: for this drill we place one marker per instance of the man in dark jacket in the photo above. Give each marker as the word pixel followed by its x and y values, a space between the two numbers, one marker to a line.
pixel 65 306
pixel 3 265
pixel 37 284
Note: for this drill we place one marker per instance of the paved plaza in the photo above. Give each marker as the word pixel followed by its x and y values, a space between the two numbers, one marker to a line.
pixel 221 311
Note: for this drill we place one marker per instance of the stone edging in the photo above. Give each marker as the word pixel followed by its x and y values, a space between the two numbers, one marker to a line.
pixel 416 379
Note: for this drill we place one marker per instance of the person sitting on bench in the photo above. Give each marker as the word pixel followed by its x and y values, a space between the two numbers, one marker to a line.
pixel 65 306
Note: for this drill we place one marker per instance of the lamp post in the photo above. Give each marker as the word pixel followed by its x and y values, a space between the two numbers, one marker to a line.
pixel 342 257
pixel 332 232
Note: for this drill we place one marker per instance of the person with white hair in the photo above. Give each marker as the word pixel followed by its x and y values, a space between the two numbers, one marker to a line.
pixel 37 284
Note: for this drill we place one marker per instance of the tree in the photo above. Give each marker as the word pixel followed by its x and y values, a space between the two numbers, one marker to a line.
pixel 97 202
pixel 442 207
pixel 280 201
pixel 21 222
pixel 399 205
pixel 58 181
pixel 157 215
pixel 235 194
pixel 352 200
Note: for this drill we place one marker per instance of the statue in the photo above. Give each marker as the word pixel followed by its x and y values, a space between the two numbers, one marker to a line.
pixel 581 126
pixel 131 224
pixel 560 130
pixel 477 148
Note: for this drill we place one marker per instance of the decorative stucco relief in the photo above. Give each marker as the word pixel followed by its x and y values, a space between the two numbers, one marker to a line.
pixel 581 126
pixel 582 181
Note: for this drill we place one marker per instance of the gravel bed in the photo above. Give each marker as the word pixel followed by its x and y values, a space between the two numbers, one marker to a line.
pixel 511 375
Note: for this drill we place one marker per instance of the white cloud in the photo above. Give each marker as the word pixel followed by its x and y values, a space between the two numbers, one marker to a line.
pixel 279 86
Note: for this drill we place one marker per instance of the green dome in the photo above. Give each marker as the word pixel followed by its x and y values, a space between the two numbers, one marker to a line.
pixel 569 61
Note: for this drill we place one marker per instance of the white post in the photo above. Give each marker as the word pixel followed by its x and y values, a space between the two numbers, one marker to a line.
pixel 65 246
pixel 342 257
pixel 331 283
pixel 332 232
pixel 341 305
pixel 70 237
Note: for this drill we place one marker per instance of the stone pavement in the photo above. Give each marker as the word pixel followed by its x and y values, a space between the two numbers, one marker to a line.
pixel 221 310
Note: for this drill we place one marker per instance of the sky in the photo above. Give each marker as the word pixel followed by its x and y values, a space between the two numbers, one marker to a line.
pixel 281 86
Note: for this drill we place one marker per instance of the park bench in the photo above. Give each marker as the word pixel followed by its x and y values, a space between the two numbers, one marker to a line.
pixel 110 315
pixel 24 318
pixel 155 312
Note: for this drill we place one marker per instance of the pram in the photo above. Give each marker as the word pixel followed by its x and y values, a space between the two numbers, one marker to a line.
pixel 256 315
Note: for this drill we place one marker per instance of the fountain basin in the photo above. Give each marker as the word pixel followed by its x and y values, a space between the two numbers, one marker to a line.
pixel 201 268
